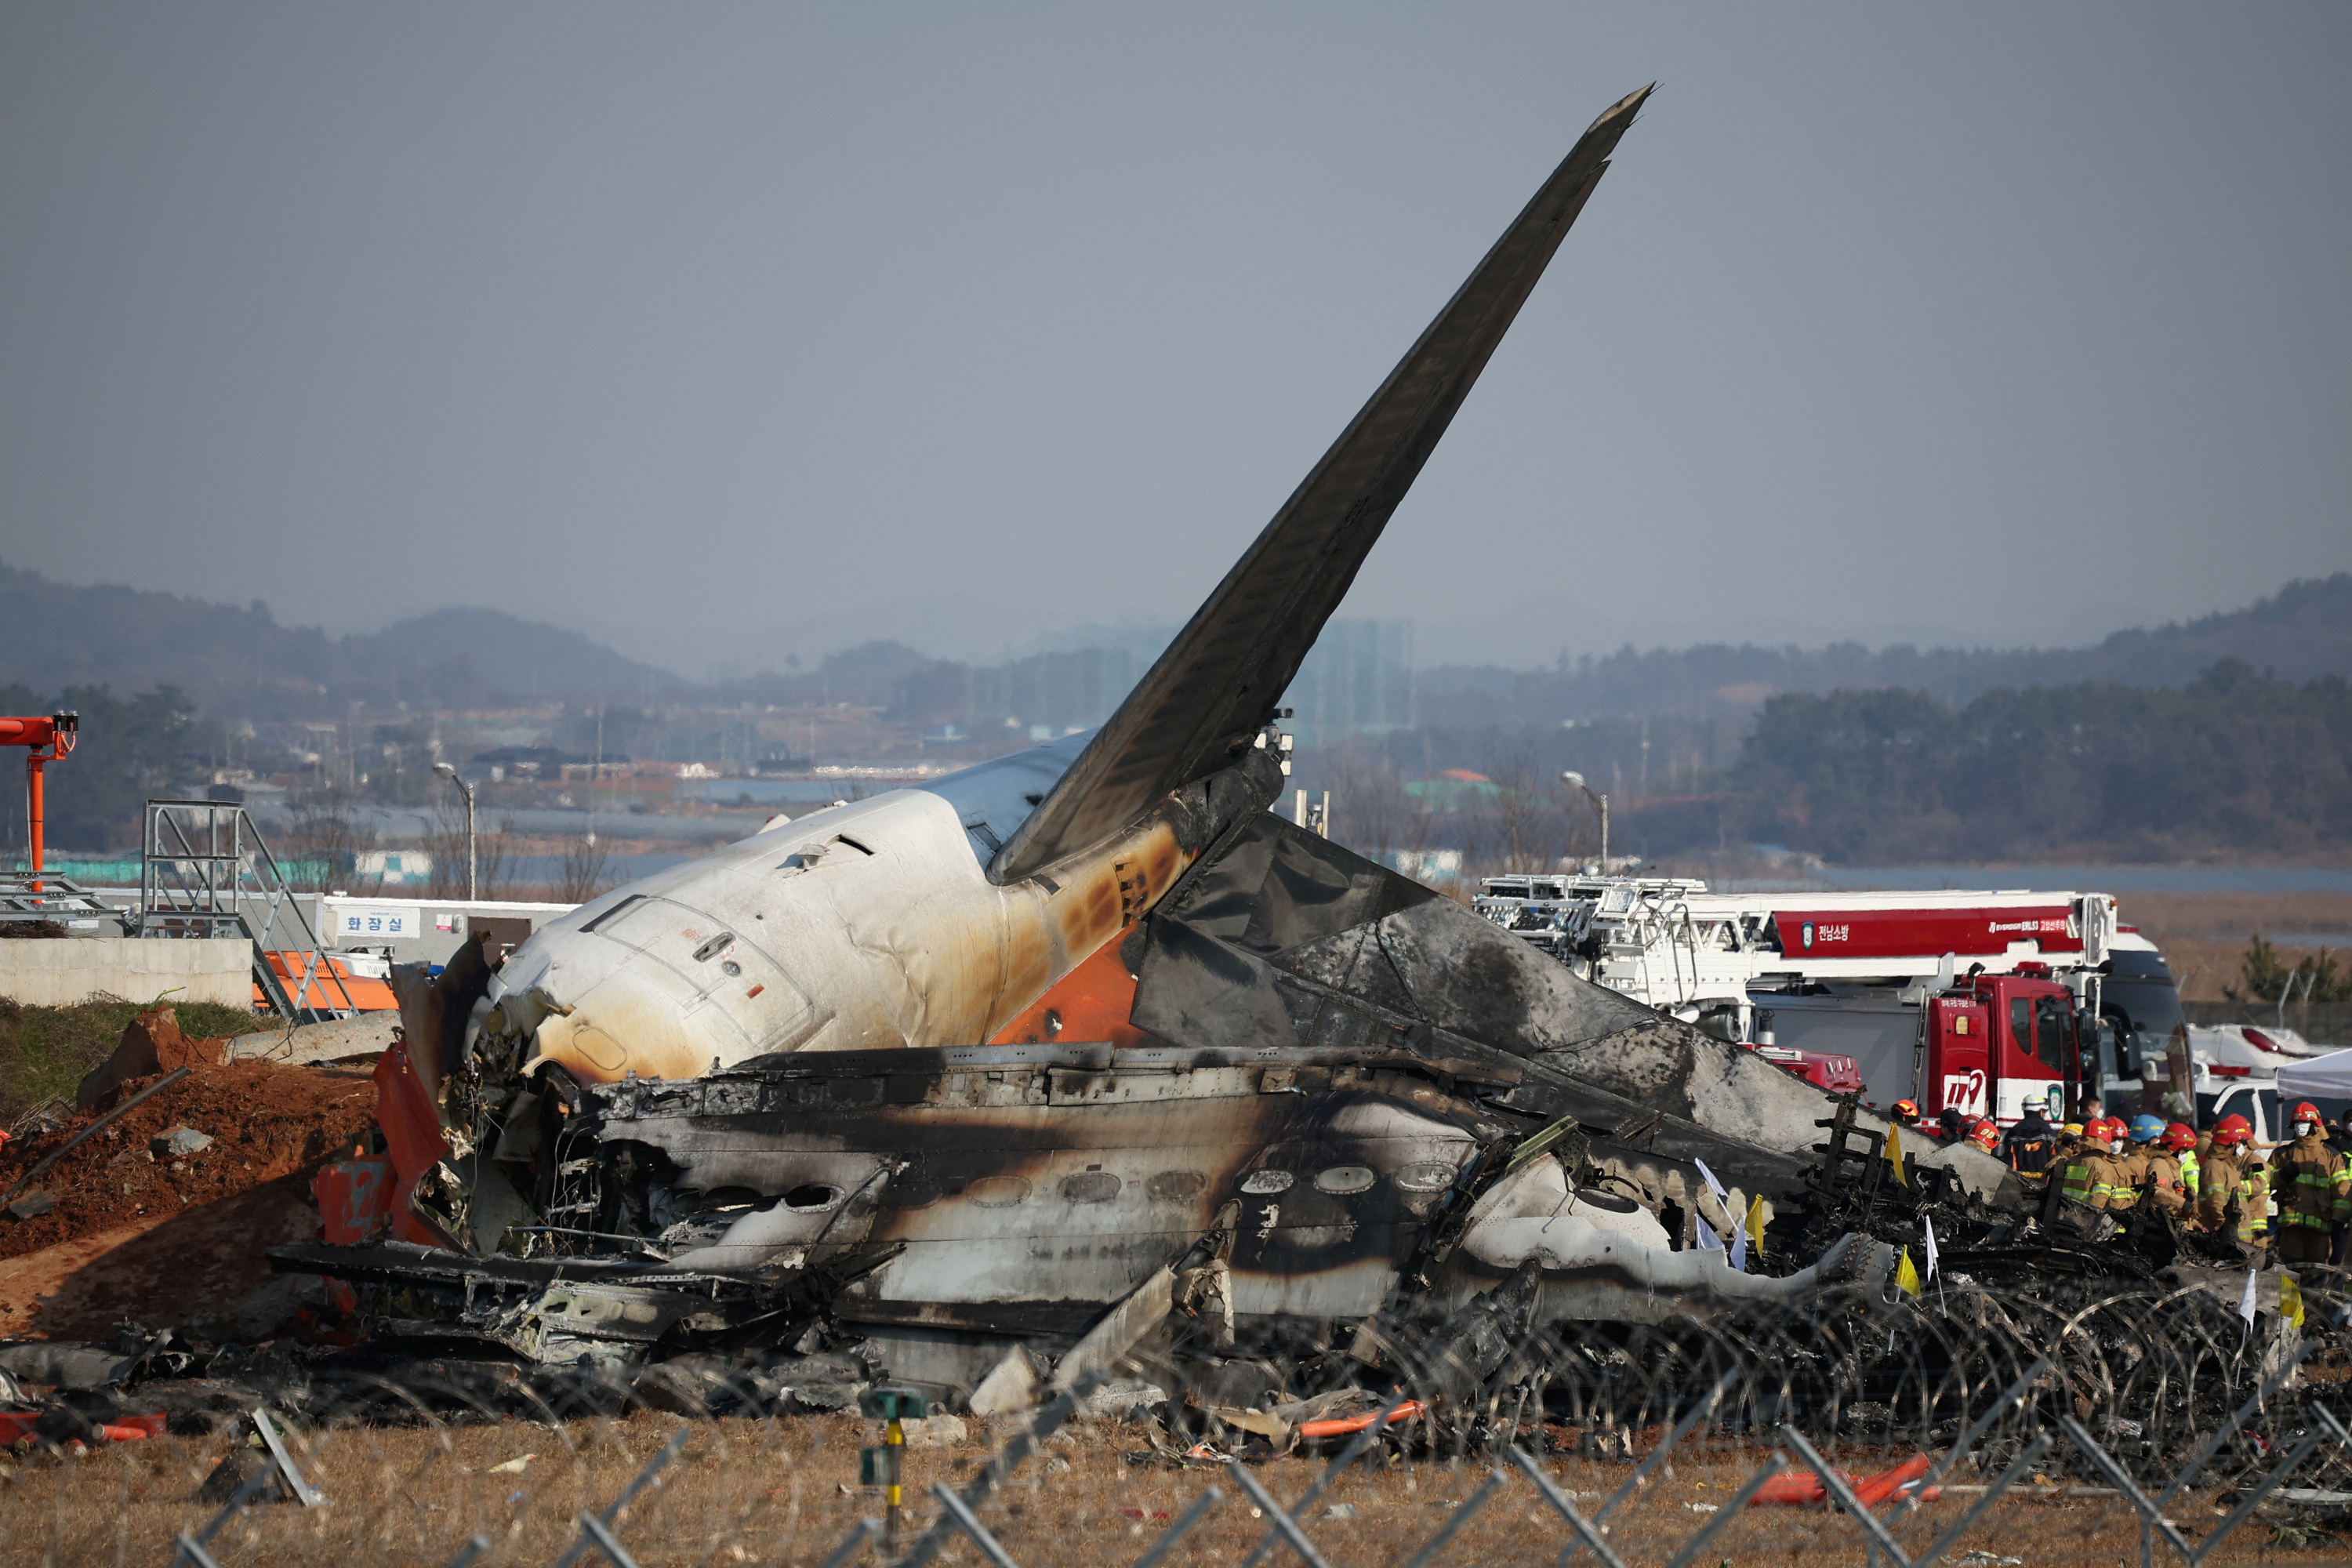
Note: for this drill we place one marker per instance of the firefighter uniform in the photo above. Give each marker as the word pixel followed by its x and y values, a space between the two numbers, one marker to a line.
pixel 2111 1183
pixel 2222 1177
pixel 2033 1148
pixel 2172 1193
pixel 2074 1164
pixel 2134 1166
pixel 2314 1194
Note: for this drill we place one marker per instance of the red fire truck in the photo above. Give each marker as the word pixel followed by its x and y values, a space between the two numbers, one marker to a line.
pixel 1974 1001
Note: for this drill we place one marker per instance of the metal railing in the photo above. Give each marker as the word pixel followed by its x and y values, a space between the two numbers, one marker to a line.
pixel 206 871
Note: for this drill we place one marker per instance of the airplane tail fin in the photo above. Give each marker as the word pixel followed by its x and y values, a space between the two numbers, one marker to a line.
pixel 1217 684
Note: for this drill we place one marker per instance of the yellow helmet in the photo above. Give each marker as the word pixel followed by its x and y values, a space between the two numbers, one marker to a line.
pixel 2073 1130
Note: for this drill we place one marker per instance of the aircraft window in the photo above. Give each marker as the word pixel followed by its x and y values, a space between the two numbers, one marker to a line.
pixel 1344 1179
pixel 1264 1182
pixel 912 1195
pixel 998 1192
pixel 1173 1186
pixel 811 1198
pixel 1090 1187
pixel 1425 1176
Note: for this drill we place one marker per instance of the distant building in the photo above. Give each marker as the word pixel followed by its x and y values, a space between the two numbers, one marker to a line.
pixel 1055 691
pixel 1456 789
pixel 1357 679
pixel 392 867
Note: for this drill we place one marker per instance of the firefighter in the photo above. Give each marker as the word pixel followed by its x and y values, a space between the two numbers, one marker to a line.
pixel 2074 1160
pixel 1986 1135
pixel 1904 1112
pixel 2092 1171
pixel 2175 1191
pixel 2111 1178
pixel 2227 1174
pixel 1950 1127
pixel 2181 1143
pixel 2033 1145
pixel 2315 1191
pixel 2144 1131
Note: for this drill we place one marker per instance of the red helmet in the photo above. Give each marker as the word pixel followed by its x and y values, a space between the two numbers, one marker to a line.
pixel 1985 1134
pixel 2232 1130
pixel 1905 1110
pixel 2177 1137
pixel 2306 1112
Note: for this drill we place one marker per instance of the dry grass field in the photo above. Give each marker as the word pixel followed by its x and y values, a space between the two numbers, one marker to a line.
pixel 773 1492
pixel 2204 935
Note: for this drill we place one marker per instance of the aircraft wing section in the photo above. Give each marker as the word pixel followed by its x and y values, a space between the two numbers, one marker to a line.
pixel 1218 682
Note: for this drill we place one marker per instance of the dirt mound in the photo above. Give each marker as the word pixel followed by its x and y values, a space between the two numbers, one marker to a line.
pixel 151 1043
pixel 262 1122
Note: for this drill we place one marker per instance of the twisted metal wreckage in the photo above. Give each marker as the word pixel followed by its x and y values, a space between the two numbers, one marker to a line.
pixel 1082 1054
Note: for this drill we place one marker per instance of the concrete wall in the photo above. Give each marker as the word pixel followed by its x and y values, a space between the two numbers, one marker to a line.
pixel 57 972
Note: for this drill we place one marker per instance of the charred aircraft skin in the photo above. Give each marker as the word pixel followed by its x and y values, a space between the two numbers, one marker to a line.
pixel 946 1204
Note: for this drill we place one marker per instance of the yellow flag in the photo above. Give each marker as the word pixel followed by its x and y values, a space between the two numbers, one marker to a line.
pixel 1906 1278
pixel 1756 1223
pixel 2290 1299
pixel 1894 1156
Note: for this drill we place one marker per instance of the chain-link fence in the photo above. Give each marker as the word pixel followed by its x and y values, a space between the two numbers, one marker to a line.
pixel 2082 1421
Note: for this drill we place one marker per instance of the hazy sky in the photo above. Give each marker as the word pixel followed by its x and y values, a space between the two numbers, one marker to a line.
pixel 729 331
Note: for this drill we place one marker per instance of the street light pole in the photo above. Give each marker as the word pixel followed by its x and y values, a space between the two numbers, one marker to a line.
pixel 1601 802
pixel 449 773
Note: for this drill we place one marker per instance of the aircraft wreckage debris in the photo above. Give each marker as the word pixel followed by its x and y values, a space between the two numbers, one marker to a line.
pixel 1081 1066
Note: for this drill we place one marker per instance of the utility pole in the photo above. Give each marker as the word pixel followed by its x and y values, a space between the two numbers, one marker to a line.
pixel 1600 803
pixel 449 772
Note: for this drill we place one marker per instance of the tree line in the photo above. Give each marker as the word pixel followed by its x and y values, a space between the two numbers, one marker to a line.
pixel 2237 762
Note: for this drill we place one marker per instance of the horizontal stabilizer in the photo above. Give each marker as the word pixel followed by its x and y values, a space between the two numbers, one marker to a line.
pixel 1218 682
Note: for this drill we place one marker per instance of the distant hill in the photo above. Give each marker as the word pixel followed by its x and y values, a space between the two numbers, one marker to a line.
pixel 242 663
pixel 2302 632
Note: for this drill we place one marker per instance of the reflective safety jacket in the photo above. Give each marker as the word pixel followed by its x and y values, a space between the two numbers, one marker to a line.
pixel 2189 1173
pixel 2111 1181
pixel 2134 1161
pixel 2033 1148
pixel 2172 1193
pixel 2314 1185
pixel 2075 1164
pixel 2221 1177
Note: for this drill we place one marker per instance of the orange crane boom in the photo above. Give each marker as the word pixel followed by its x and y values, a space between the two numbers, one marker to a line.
pixel 50 739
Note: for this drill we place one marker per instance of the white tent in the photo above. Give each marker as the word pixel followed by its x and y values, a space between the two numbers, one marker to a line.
pixel 2317 1078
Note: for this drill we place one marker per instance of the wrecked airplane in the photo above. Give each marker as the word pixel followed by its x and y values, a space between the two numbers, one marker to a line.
pixel 1083 1046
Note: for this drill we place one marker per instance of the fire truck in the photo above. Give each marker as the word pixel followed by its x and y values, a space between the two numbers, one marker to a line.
pixel 1977 1003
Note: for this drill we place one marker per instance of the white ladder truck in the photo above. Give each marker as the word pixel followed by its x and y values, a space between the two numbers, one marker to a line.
pixel 1974 1001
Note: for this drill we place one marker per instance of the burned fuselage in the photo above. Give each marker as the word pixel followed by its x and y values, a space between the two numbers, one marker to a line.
pixel 947 1203
pixel 845 1072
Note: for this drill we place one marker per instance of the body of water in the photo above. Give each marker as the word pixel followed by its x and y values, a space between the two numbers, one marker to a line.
pixel 2096 879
